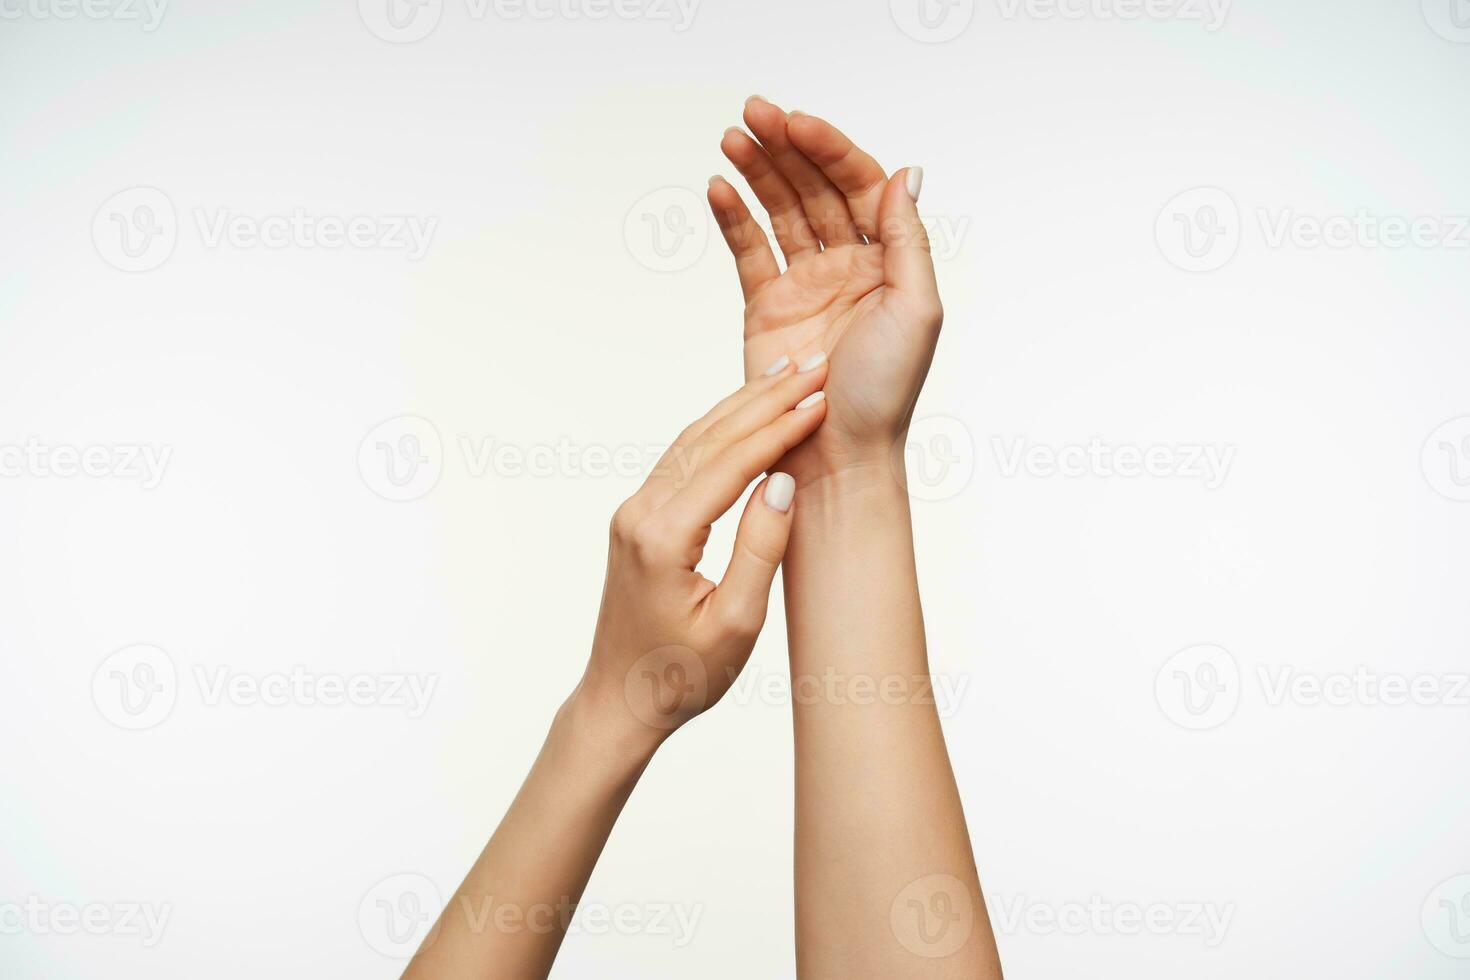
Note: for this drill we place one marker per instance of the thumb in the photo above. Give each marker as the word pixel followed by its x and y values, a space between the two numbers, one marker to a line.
pixel 760 544
pixel 908 267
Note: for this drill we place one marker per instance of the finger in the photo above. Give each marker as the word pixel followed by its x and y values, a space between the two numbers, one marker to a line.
pixel 760 411
pixel 755 264
pixel 719 482
pixel 853 172
pixel 825 207
pixel 908 266
pixel 673 465
pixel 793 233
pixel 760 544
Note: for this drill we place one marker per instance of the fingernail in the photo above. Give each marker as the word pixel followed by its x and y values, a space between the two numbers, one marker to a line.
pixel 811 399
pixel 756 98
pixel 813 362
pixel 795 112
pixel 777 367
pixel 915 182
pixel 716 179
pixel 780 491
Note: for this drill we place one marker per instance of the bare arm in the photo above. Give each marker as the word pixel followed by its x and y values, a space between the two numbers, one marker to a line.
pixel 885 879
pixel 886 886
pixel 668 645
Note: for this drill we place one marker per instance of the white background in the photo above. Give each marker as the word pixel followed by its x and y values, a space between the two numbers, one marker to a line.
pixel 1054 145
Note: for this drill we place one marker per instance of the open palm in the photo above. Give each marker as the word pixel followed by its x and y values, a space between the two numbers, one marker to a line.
pixel 859 284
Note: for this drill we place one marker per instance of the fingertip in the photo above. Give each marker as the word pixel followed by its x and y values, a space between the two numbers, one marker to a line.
pixel 780 492
pixel 803 126
pixel 897 213
pixel 914 182
pixel 761 114
pixel 722 195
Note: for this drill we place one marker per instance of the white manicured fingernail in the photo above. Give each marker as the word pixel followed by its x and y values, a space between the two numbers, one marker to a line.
pixel 811 399
pixel 813 362
pixel 778 367
pixel 915 181
pixel 780 490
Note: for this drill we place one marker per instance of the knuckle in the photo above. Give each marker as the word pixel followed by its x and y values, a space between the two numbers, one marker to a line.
pixel 743 621
pixel 764 549
pixel 650 541
pixel 624 523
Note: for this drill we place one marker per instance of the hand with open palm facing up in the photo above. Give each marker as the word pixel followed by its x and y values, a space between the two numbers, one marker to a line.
pixel 858 288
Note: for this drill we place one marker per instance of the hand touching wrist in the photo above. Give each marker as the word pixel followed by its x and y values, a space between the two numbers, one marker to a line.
pixel 859 284
pixel 669 642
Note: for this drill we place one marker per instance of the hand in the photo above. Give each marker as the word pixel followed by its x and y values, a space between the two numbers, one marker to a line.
pixel 669 642
pixel 859 284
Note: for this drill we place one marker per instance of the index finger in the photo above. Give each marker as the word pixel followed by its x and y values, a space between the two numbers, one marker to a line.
pixel 851 170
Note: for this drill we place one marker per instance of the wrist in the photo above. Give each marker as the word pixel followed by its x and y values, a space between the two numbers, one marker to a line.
pixel 603 725
pixel 871 483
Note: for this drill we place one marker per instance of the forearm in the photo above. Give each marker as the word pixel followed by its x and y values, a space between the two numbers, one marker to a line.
pixel 509 916
pixel 879 823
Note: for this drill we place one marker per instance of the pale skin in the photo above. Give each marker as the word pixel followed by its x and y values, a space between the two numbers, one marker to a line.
pixel 668 644
pixel 837 347
pixel 886 885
